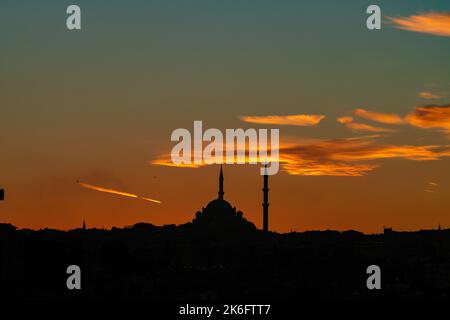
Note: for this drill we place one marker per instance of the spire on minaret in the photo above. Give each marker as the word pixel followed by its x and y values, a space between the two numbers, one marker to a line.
pixel 266 201
pixel 221 184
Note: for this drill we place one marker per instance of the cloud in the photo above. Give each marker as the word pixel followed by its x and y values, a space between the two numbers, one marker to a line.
pixel 293 120
pixel 166 160
pixel 386 118
pixel 351 156
pixel 435 23
pixel 425 117
pixel 116 192
pixel 430 116
pixel 322 167
pixel 356 126
pixel 429 95
pixel 343 157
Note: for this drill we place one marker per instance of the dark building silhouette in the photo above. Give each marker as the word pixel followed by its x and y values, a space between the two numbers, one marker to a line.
pixel 221 255
pixel 220 217
pixel 2 194
pixel 266 201
pixel 219 214
pixel 221 193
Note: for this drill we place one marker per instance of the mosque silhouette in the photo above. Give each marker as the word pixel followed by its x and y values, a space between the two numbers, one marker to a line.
pixel 220 217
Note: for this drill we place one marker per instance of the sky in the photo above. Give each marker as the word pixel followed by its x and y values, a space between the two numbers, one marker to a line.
pixel 98 106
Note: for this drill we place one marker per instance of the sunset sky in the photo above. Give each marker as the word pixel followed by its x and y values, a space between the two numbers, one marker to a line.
pixel 364 116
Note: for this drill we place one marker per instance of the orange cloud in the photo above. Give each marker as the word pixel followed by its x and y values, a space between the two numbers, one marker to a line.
pixel 116 192
pixel 320 167
pixel 351 157
pixel 344 157
pixel 418 153
pixel 293 120
pixel 434 23
pixel 386 118
pixel 429 95
pixel 166 160
pixel 356 126
pixel 431 116
pixel 425 117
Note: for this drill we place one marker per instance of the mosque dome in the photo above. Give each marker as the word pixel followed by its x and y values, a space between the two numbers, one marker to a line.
pixel 219 216
pixel 219 205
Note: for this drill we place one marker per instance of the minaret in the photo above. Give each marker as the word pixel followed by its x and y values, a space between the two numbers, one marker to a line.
pixel 266 201
pixel 221 184
pixel 84 224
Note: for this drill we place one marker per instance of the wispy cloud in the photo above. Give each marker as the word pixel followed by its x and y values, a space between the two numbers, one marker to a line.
pixel 116 192
pixel 435 23
pixel 386 118
pixel 293 120
pixel 431 116
pixel 351 156
pixel 432 187
pixel 425 117
pixel 430 95
pixel 248 154
pixel 321 167
pixel 342 157
pixel 346 157
pixel 166 160
pixel 350 123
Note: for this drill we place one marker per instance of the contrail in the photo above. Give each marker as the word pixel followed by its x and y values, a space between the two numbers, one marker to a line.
pixel 120 193
pixel 150 199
